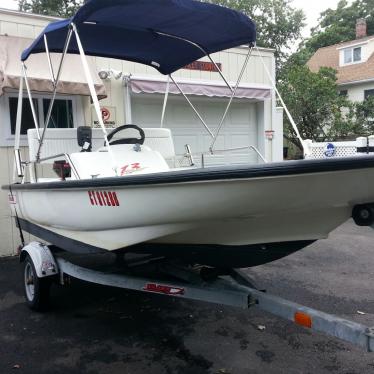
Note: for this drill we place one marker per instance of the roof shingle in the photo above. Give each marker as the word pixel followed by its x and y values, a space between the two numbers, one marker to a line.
pixel 329 57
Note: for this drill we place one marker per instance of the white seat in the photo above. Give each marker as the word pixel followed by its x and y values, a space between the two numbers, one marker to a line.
pixel 59 141
pixel 129 162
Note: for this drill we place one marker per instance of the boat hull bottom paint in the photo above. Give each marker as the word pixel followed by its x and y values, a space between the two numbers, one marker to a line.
pixel 220 256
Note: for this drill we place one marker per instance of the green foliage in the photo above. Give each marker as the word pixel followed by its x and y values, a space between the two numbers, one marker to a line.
pixel 313 98
pixel 364 116
pixel 338 25
pixel 335 26
pixel 58 8
pixel 315 103
pixel 278 24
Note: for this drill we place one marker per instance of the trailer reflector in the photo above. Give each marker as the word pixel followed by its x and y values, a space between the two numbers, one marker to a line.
pixel 163 289
pixel 303 319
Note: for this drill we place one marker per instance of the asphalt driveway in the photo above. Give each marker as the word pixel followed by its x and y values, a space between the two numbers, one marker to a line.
pixel 92 329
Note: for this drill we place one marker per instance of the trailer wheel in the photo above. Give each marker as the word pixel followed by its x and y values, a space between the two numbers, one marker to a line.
pixel 36 289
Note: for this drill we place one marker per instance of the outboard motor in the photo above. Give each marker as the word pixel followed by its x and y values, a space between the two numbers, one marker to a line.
pixel 84 137
pixel 363 215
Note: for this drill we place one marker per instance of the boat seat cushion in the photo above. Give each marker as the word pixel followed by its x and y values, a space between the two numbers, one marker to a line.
pixel 59 141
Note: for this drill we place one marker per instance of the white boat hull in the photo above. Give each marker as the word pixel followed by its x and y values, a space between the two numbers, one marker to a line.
pixel 229 212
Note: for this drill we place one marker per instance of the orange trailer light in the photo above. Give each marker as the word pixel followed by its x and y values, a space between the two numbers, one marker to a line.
pixel 303 319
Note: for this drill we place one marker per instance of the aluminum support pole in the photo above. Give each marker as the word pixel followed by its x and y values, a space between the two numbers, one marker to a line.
pixel 202 50
pixel 127 99
pixel 230 101
pixel 290 118
pixel 18 170
pixel 165 102
pixel 55 84
pixel 94 97
pixel 192 106
pixel 49 60
pixel 35 118
pixel 19 114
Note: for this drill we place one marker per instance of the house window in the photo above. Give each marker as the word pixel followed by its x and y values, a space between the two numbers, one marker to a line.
pixel 343 93
pixel 62 113
pixel 61 116
pixel 368 93
pixel 347 56
pixel 357 54
pixel 67 112
pixel 27 118
pixel 352 55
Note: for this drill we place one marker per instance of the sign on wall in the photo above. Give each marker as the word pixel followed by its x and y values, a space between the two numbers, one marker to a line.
pixel 108 114
pixel 203 66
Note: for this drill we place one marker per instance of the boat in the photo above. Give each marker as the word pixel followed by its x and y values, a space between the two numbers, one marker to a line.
pixel 124 197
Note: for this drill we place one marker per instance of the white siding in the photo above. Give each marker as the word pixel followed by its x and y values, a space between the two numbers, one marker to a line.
pixel 14 24
pixel 9 234
pixel 356 93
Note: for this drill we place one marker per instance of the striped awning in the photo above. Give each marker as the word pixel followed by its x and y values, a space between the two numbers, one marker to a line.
pixel 72 80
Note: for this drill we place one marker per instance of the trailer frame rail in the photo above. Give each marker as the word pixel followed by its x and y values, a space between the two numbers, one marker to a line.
pixel 233 289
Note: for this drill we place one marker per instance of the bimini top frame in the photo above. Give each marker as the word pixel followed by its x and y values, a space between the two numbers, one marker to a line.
pixel 141 31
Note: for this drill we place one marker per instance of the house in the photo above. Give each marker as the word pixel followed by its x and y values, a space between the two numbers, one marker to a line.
pixel 353 61
pixel 133 93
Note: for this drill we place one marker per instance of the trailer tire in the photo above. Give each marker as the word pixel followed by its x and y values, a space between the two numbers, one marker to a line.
pixel 36 290
pixel 363 215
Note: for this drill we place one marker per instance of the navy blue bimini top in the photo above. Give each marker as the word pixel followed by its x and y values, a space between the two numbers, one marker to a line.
pixel 129 30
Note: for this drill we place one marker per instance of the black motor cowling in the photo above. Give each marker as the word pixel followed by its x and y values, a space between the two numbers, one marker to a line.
pixel 84 138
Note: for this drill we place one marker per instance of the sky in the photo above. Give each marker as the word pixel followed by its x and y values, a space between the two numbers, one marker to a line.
pixel 10 4
pixel 312 9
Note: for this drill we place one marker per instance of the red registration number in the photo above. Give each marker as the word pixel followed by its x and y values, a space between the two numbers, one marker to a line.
pixel 103 198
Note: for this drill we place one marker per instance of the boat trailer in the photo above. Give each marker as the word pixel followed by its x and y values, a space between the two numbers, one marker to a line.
pixel 230 287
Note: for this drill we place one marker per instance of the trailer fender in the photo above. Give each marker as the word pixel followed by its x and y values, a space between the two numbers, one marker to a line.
pixel 42 258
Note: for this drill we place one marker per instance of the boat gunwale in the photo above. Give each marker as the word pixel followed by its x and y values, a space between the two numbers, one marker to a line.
pixel 210 174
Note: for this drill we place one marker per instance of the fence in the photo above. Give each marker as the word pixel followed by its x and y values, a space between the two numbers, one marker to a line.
pixel 359 147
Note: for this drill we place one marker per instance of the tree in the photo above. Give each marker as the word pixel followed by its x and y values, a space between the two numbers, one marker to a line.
pixel 334 26
pixel 364 116
pixel 317 94
pixel 58 8
pixel 338 25
pixel 316 106
pixel 278 24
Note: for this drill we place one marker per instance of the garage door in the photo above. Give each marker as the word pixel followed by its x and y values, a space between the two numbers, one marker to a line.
pixel 240 128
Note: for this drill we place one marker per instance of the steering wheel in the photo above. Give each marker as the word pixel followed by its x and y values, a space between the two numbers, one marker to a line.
pixel 126 140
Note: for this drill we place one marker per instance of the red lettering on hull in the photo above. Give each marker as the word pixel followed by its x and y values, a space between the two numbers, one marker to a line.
pixel 103 198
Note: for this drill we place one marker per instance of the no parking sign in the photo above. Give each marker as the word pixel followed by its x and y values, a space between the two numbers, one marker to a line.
pixel 108 114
